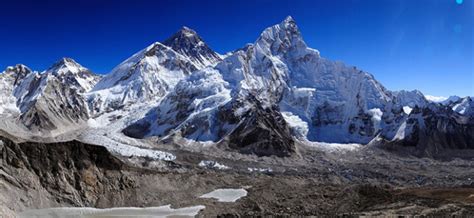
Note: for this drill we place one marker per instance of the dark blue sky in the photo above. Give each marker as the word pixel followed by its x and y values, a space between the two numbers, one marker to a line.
pixel 406 44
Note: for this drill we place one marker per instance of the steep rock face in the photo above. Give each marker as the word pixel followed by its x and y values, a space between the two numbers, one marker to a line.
pixel 464 106
pixel 54 99
pixel 261 130
pixel 10 79
pixel 410 98
pixel 279 69
pixel 433 130
pixel 189 44
pixel 53 105
pixel 59 174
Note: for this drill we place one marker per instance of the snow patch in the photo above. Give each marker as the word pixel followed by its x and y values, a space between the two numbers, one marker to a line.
pixel 407 109
pixel 435 98
pixel 226 195
pixel 376 114
pixel 209 164
pixel 93 123
pixel 261 170
pixel 400 135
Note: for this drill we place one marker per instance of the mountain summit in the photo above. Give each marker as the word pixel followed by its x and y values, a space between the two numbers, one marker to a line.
pixel 188 43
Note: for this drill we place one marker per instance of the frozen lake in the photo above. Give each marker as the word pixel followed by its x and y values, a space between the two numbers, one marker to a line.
pixel 162 211
pixel 226 195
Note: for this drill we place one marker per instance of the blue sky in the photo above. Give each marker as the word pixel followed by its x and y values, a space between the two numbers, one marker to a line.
pixel 406 44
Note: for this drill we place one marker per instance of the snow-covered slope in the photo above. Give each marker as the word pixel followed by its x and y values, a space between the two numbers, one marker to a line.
pixel 152 72
pixel 431 131
pixel 147 75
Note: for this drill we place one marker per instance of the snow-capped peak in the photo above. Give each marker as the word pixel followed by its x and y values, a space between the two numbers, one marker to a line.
pixel 17 72
pixel 68 71
pixel 187 32
pixel 19 68
pixel 282 38
pixel 65 65
pixel 188 43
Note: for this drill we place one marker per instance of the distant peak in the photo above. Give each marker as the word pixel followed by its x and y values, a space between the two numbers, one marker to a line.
pixel 186 29
pixel 289 24
pixel 289 19
pixel 66 60
pixel 286 35
pixel 64 65
pixel 19 68
pixel 184 37
pixel 186 32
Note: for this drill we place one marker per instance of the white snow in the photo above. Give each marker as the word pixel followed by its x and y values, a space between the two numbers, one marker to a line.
pixel 213 165
pixel 334 147
pixel 465 106
pixel 296 123
pixel 226 195
pixel 376 114
pixel 261 170
pixel 108 134
pixel 435 98
pixel 407 109
pixel 400 135
pixel 162 211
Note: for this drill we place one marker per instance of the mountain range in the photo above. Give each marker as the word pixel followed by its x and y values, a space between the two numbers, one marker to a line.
pixel 265 98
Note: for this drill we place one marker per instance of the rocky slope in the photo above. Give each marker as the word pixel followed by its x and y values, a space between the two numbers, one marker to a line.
pixel 39 175
pixel 10 79
pixel 52 100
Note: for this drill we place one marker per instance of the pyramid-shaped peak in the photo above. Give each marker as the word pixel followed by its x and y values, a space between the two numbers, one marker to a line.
pixel 289 24
pixel 65 62
pixel 185 34
pixel 188 43
pixel 289 19
pixel 187 31
pixel 64 65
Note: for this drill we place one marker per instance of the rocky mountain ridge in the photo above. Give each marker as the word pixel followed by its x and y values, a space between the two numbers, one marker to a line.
pixel 260 99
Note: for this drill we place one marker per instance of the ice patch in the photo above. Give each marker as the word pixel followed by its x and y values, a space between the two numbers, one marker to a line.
pixel 162 211
pixel 212 165
pixel 296 123
pixel 226 195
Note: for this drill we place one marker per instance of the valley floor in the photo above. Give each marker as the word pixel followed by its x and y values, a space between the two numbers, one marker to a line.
pixel 365 181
